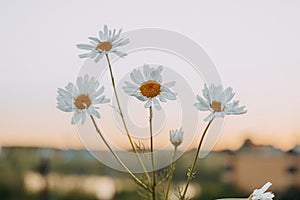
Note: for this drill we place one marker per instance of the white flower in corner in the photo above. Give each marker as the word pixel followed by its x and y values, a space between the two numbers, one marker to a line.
pixel 261 194
pixel 107 43
pixel 81 99
pixel 217 102
pixel 176 137
pixel 148 86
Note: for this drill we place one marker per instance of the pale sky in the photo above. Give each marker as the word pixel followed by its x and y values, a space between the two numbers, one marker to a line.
pixel 254 44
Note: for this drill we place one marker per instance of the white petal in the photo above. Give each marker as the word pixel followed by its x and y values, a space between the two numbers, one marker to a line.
pixel 201 107
pixel 76 117
pixel 149 103
pixel 94 112
pixel 117 35
pixel 129 89
pixel 98 58
pixel 227 95
pixel 64 94
pixel 93 54
pixel 156 104
pixel 137 77
pixel 101 100
pixel 206 94
pixel 101 36
pixel 85 55
pixel 161 98
pixel 202 102
pixel 168 94
pixel 215 92
pixel 83 117
pixel 209 117
pixel 140 97
pixel 121 42
pixel 106 31
pixel 170 84
pixel 156 74
pixel 95 39
pixel 146 72
pixel 99 91
pixel 79 83
pixel 120 53
pixel 130 84
pixel 85 46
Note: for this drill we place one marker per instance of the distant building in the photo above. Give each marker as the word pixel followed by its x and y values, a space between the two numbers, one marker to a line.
pixel 253 165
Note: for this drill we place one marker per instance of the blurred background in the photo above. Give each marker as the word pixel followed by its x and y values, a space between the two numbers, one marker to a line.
pixel 255 46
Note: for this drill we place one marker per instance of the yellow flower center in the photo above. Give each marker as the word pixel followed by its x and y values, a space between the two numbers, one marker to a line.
pixel 104 46
pixel 150 89
pixel 216 106
pixel 82 101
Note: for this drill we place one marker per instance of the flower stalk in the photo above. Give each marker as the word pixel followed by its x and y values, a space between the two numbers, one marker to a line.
pixel 123 120
pixel 190 173
pixel 172 168
pixel 152 156
pixel 137 180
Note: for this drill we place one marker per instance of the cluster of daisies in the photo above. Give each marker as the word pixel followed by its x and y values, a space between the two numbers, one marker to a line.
pixel 146 85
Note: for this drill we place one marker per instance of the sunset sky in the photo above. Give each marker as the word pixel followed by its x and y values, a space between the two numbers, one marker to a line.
pixel 254 44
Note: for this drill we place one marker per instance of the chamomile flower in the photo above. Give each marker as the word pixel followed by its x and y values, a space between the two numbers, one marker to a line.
pixel 261 194
pixel 148 86
pixel 108 42
pixel 217 102
pixel 176 137
pixel 81 99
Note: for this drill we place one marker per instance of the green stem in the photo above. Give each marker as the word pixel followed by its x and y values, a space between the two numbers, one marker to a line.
pixel 117 157
pixel 195 160
pixel 172 168
pixel 123 121
pixel 152 157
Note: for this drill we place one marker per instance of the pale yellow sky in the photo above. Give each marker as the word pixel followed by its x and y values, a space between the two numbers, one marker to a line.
pixel 254 45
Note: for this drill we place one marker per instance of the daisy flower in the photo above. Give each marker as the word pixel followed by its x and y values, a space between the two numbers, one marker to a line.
pixel 81 99
pixel 176 137
pixel 261 194
pixel 107 42
pixel 217 102
pixel 147 86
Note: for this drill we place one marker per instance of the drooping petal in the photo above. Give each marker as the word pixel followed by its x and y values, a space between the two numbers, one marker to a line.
pixel 76 117
pixel 83 117
pixel 98 58
pixel 209 117
pixel 149 103
pixel 92 111
pixel 156 104
pixel 140 97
